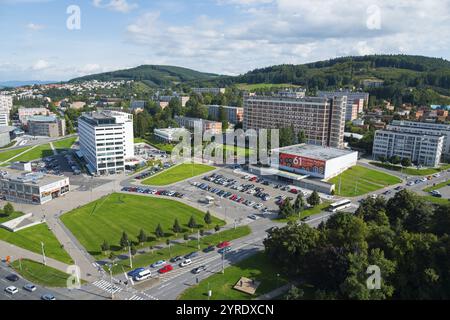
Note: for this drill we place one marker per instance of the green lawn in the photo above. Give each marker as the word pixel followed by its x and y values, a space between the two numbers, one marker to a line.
pixel 146 259
pixel 437 200
pixel 108 217
pixel 437 186
pixel 4 218
pixel 39 274
pixel 31 239
pixel 257 267
pixel 39 152
pixel 167 147
pixel 360 180
pixel 177 173
pixel 6 155
pixel 410 171
pixel 308 212
pixel 65 144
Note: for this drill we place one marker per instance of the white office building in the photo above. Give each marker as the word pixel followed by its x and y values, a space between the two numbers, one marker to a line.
pixel 424 128
pixel 106 140
pixel 6 104
pixel 423 149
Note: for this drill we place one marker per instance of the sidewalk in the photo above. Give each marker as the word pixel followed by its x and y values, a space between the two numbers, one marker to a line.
pixel 7 249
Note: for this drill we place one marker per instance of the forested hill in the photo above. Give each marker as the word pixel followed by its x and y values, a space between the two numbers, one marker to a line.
pixel 406 78
pixel 153 75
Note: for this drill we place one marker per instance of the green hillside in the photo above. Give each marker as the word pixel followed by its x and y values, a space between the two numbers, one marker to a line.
pixel 415 79
pixel 154 75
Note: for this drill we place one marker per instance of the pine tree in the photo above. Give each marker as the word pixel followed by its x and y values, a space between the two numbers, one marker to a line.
pixel 159 233
pixel 124 240
pixel 176 227
pixel 208 219
pixel 314 199
pixel 192 223
pixel 105 246
pixel 142 237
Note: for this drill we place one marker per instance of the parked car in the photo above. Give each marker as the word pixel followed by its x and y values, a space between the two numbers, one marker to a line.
pixel 29 287
pixel 209 249
pixel 191 255
pixel 253 217
pixel 134 272
pixel 186 263
pixel 48 296
pixel 11 290
pixel 223 244
pixel 165 269
pixel 224 250
pixel 143 275
pixel 176 259
pixel 158 264
pixel 199 269
pixel 12 277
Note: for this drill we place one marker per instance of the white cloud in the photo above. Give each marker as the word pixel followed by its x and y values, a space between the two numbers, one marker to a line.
pixel 116 5
pixel 266 32
pixel 35 27
pixel 40 65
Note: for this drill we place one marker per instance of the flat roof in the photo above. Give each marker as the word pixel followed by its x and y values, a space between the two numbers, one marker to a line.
pixel 314 152
pixel 39 118
pixel 33 178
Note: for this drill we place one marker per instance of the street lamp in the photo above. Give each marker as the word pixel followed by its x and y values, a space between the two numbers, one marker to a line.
pixel 129 254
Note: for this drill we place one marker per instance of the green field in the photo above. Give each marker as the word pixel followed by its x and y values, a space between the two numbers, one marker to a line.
pixel 410 171
pixel 6 155
pixel 167 147
pixel 39 152
pixel 360 180
pixel 438 186
pixel 39 274
pixel 31 239
pixel 258 267
pixel 4 217
pixel 108 217
pixel 65 144
pixel 436 200
pixel 146 259
pixel 178 173
pixel 308 212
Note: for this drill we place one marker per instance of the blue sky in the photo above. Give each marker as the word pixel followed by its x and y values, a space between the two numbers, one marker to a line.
pixel 220 36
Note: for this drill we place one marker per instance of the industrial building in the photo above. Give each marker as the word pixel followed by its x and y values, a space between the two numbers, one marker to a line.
pixel 308 166
pixel 321 119
pixel 46 126
pixel 421 149
pixel 31 187
pixel 106 140
pixel 234 114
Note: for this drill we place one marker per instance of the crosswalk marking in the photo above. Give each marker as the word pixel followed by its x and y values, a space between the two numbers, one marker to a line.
pixel 106 286
pixel 135 297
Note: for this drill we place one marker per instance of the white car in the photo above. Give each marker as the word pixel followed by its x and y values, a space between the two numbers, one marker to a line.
pixel 186 263
pixel 253 217
pixel 158 264
pixel 11 290
pixel 29 287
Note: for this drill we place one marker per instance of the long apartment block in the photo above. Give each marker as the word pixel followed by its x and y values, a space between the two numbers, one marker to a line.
pixel 322 119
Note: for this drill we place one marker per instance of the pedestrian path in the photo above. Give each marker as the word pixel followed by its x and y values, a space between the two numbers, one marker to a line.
pixel 106 286
pixel 135 297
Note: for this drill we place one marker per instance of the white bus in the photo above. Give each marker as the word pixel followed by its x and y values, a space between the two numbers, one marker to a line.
pixel 340 205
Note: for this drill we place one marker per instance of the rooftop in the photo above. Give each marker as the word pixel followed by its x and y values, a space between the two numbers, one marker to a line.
pixel 314 152
pixel 38 118
pixel 35 178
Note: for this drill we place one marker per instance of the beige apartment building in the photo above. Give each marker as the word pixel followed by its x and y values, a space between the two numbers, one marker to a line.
pixel 322 119
pixel 46 126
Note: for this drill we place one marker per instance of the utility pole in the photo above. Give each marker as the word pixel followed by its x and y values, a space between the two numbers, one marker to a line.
pixel 43 254
pixel 129 253
pixel 223 262
pixel 198 239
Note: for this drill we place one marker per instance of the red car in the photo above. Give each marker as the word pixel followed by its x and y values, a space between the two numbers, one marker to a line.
pixel 223 244
pixel 165 269
pixel 294 191
pixel 253 179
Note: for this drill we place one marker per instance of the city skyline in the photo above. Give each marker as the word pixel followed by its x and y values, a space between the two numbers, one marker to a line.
pixel 219 36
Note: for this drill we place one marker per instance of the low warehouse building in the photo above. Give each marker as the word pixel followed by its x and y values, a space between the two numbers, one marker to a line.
pixel 33 188
pixel 314 161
